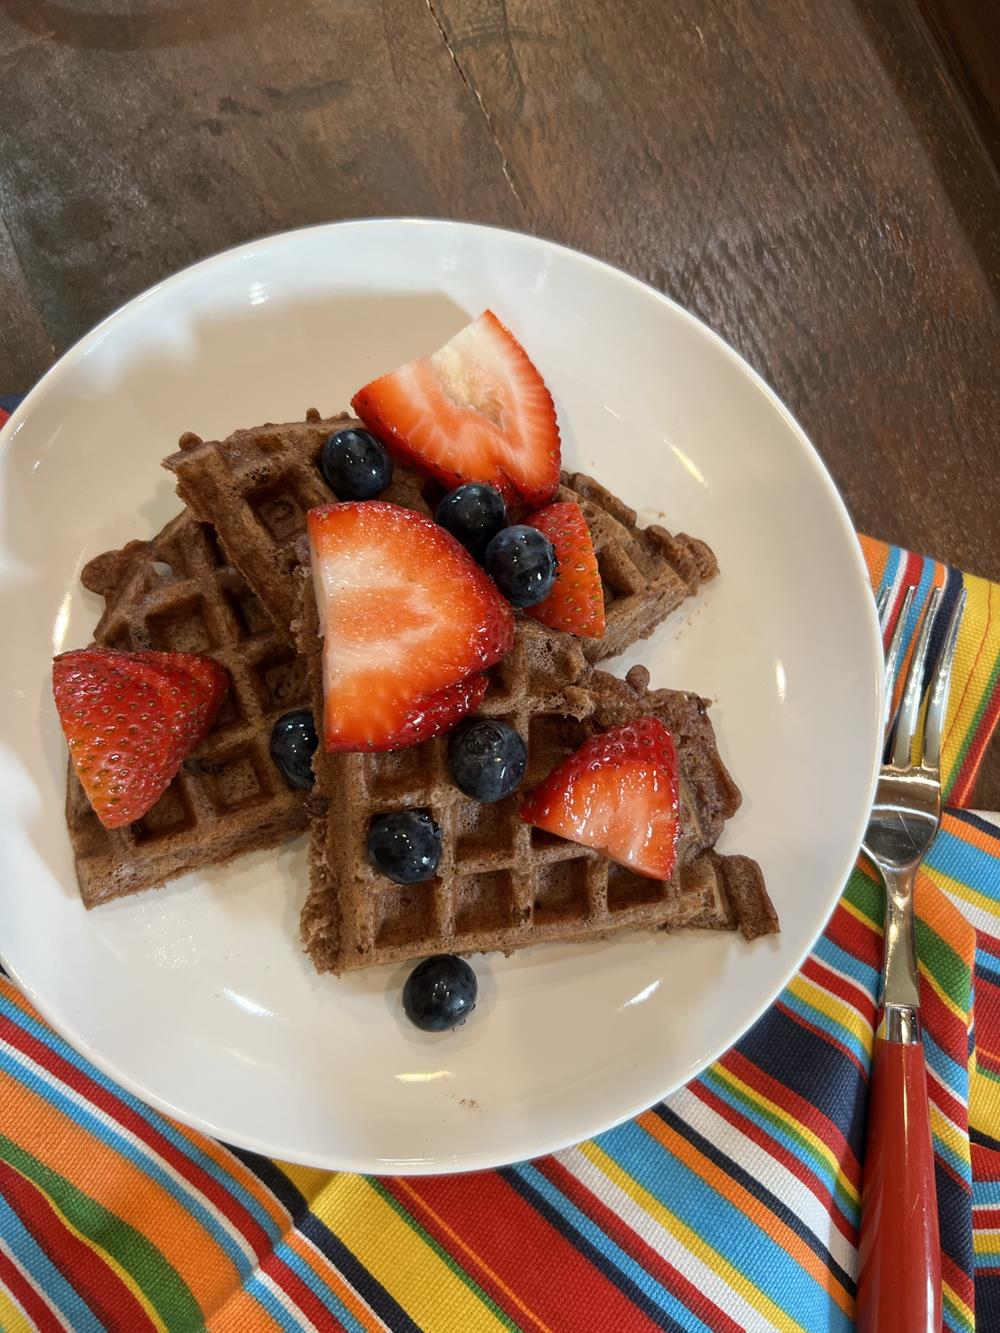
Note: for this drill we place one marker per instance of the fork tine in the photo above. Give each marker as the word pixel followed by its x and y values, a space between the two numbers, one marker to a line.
pixel 909 711
pixel 937 709
pixel 882 606
pixel 892 658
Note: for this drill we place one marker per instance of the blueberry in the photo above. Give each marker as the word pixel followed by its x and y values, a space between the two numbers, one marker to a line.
pixel 473 513
pixel 486 758
pixel 405 846
pixel 522 563
pixel 354 465
pixel 293 743
pixel 440 993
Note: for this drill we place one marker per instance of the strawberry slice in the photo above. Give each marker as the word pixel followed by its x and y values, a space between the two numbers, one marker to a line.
pixel 619 794
pixel 410 622
pixel 130 720
pixel 441 711
pixel 476 410
pixel 576 602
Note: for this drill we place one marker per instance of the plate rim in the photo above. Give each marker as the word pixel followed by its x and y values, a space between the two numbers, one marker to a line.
pixel 483 1159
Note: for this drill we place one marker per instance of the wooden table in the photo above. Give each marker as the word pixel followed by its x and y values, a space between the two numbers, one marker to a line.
pixel 805 175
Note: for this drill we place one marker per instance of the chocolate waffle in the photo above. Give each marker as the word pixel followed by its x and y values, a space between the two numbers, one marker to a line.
pixel 257 485
pixel 179 593
pixel 645 572
pixel 502 884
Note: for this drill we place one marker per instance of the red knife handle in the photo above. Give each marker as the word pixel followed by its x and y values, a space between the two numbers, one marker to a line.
pixel 899 1258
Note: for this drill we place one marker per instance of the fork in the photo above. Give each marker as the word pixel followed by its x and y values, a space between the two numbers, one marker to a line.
pixel 899 1283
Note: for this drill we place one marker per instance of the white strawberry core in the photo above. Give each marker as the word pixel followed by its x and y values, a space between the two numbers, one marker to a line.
pixel 467 376
pixel 381 594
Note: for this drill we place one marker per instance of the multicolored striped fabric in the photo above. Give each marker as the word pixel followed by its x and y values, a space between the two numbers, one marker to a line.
pixel 734 1205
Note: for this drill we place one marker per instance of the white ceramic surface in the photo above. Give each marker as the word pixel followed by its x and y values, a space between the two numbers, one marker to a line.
pixel 197 997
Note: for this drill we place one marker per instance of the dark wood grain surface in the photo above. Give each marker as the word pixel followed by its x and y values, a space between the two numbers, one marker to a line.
pixel 806 175
pixel 968 34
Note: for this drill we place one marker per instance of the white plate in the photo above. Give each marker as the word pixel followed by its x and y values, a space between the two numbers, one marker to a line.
pixel 197 997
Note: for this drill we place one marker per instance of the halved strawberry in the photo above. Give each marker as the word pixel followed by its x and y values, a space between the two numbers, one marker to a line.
pixel 476 410
pixel 130 719
pixel 619 794
pixel 409 619
pixel 576 602
pixel 440 712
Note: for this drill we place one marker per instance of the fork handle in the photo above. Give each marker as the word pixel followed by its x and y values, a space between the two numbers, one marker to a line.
pixel 899 1286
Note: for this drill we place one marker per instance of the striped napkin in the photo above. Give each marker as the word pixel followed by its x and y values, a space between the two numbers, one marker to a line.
pixel 733 1205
